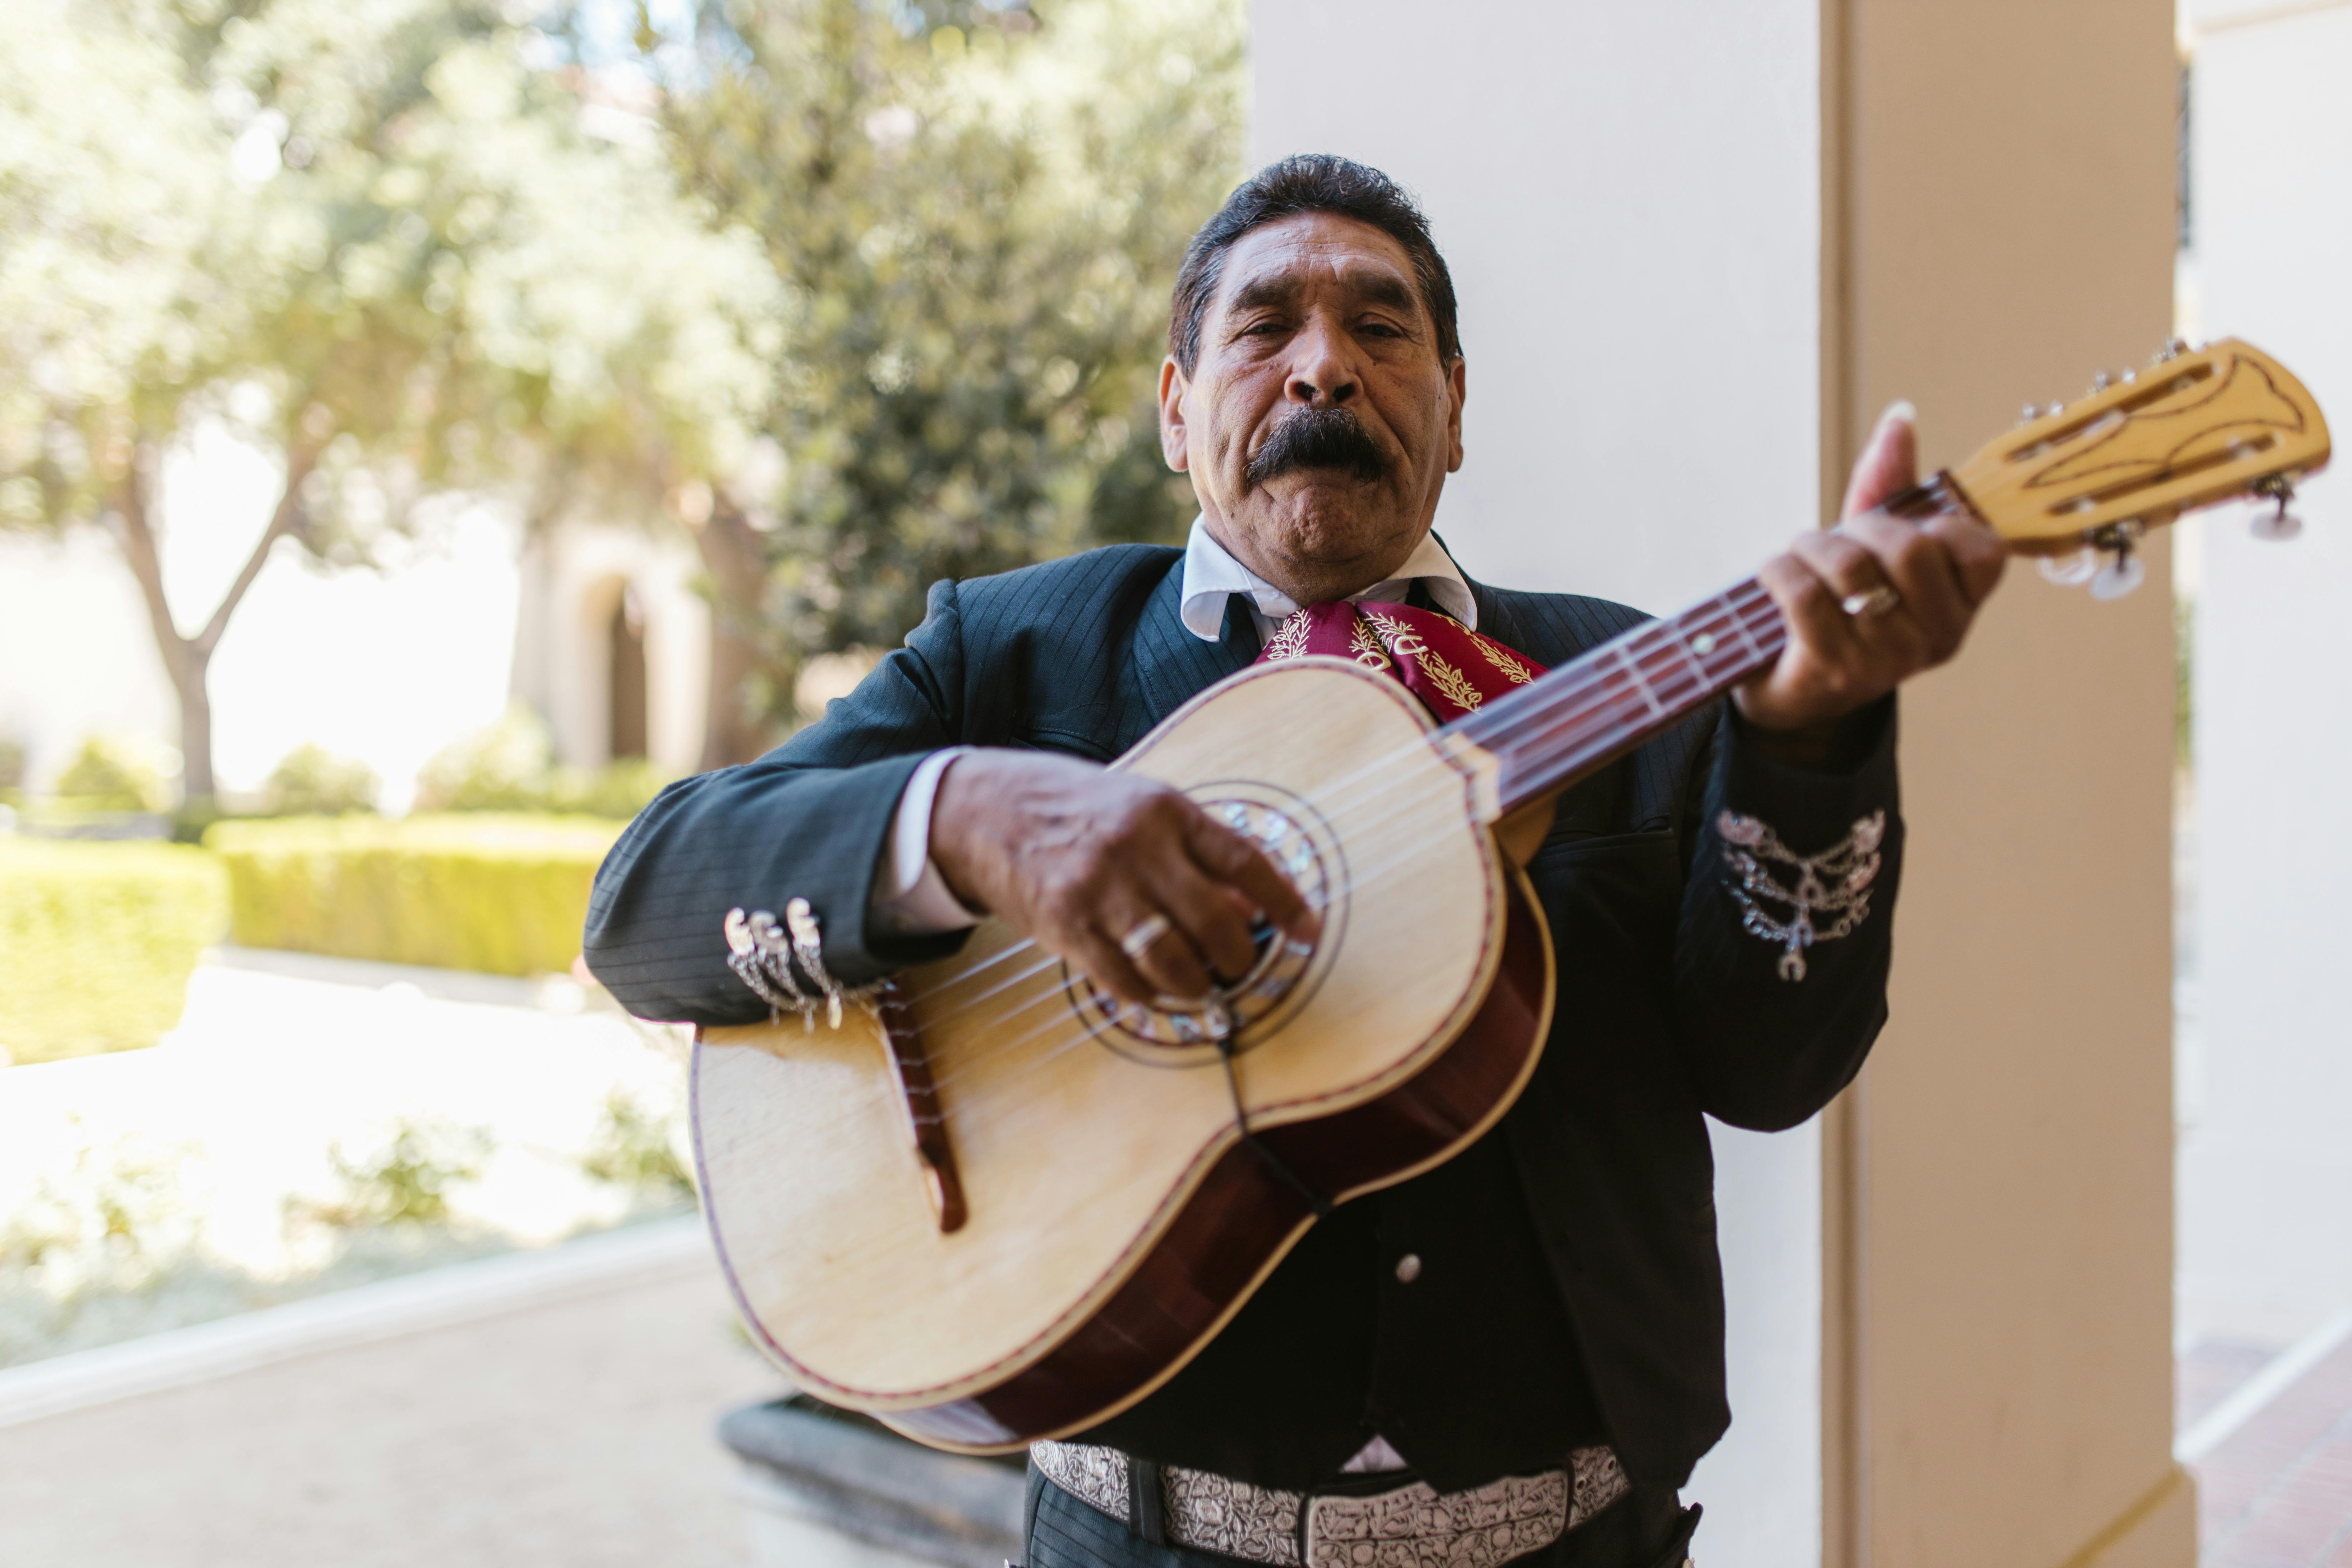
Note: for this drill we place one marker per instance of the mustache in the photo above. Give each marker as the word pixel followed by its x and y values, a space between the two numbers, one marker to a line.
pixel 1319 438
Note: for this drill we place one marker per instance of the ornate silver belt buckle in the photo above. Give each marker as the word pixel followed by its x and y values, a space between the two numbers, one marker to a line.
pixel 1413 1526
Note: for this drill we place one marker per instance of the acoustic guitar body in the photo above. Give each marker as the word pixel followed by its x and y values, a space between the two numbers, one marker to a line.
pixel 1108 1215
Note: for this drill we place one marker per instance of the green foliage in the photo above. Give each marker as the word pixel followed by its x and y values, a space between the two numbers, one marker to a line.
pixel 406 1181
pixel 619 789
pixel 378 239
pixel 118 773
pixel 97 942
pixel 311 781
pixel 635 1147
pixel 494 893
pixel 512 767
pixel 503 767
pixel 978 227
pixel 113 1222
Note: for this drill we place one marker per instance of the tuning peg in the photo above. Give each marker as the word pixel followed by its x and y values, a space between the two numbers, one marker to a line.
pixel 2100 382
pixel 2054 410
pixel 2028 415
pixel 2118 577
pixel 2129 376
pixel 2069 571
pixel 2124 570
pixel 2280 525
pixel 2173 348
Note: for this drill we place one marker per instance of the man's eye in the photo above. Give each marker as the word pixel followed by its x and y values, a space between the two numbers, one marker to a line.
pixel 1261 329
pixel 1381 329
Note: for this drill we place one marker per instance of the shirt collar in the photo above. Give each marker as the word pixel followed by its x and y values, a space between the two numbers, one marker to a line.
pixel 1211 576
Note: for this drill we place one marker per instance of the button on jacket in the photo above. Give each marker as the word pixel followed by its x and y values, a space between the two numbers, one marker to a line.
pixel 1670 1009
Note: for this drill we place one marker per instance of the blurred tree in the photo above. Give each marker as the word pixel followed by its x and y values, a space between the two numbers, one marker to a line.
pixel 311 781
pixel 120 773
pixel 977 210
pixel 378 237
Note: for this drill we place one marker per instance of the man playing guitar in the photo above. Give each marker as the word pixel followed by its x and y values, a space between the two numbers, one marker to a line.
pixel 1533 1330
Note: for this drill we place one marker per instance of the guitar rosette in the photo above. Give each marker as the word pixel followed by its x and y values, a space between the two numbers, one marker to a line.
pixel 1247 1012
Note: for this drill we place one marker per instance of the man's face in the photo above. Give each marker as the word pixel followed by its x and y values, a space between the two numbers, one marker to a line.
pixel 1319 422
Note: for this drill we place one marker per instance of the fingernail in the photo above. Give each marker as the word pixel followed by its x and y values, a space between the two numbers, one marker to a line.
pixel 1900 408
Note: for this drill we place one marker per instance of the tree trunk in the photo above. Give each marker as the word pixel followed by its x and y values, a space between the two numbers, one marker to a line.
pixel 737 567
pixel 188 660
pixel 197 786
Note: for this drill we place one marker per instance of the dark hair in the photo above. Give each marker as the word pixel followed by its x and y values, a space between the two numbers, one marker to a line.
pixel 1308 182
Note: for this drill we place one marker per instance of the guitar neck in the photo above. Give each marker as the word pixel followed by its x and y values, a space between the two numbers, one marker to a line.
pixel 1587 714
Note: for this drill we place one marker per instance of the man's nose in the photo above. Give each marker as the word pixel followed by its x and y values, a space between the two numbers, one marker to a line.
pixel 1322 371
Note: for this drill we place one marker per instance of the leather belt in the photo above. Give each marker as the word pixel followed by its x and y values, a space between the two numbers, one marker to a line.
pixel 1411 1526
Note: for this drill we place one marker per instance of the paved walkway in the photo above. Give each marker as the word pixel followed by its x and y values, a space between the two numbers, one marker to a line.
pixel 2277 1493
pixel 577 1435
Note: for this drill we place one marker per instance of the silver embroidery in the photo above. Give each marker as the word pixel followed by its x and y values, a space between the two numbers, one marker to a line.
pixel 1212 1513
pixel 1096 1477
pixel 1411 1526
pixel 1418 1527
pixel 1600 1481
pixel 1834 882
pixel 761 951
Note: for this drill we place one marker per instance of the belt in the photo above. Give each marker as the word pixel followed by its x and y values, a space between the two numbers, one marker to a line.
pixel 1411 1526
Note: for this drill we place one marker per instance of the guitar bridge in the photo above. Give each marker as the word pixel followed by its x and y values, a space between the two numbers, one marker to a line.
pixel 927 1130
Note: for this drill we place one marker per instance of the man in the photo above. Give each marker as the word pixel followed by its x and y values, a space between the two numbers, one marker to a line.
pixel 1519 1354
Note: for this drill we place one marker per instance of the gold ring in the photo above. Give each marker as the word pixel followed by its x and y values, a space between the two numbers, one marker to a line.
pixel 1148 929
pixel 1871 603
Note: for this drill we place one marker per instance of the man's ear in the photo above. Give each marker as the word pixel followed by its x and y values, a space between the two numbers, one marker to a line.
pixel 1174 440
pixel 1457 387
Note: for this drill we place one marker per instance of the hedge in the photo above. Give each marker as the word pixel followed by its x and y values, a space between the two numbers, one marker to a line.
pixel 97 941
pixel 495 893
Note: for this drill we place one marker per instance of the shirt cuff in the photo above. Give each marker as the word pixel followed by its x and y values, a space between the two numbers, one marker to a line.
pixel 911 897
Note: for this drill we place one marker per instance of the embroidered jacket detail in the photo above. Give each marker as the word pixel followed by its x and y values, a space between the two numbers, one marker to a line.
pixel 762 949
pixel 1410 1526
pixel 1835 882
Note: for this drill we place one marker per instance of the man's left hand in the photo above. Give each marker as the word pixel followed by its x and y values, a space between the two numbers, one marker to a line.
pixel 1924 583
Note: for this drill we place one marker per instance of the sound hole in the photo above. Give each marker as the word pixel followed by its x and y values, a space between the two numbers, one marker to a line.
pixel 1176 1033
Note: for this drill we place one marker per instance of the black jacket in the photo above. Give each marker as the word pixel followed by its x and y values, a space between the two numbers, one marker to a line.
pixel 1668 1009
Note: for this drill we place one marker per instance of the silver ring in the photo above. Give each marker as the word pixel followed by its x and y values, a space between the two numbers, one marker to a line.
pixel 1148 929
pixel 1870 604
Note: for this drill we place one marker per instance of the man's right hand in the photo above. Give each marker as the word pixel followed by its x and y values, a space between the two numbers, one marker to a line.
pixel 1078 857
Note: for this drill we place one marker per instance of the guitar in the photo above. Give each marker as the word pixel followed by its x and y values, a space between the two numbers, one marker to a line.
pixel 996 1204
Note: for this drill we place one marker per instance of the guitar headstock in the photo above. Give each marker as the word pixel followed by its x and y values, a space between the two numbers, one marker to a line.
pixel 2196 427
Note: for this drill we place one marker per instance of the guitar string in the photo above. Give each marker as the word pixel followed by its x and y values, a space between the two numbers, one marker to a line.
pixel 1085 1034
pixel 1603 703
pixel 1621 730
pixel 1594 692
pixel 1675 688
pixel 1565 736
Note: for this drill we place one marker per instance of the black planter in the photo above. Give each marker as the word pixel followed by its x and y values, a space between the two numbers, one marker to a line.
pixel 810 1467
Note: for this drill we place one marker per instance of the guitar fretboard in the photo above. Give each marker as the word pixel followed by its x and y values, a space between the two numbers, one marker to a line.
pixel 1594 710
